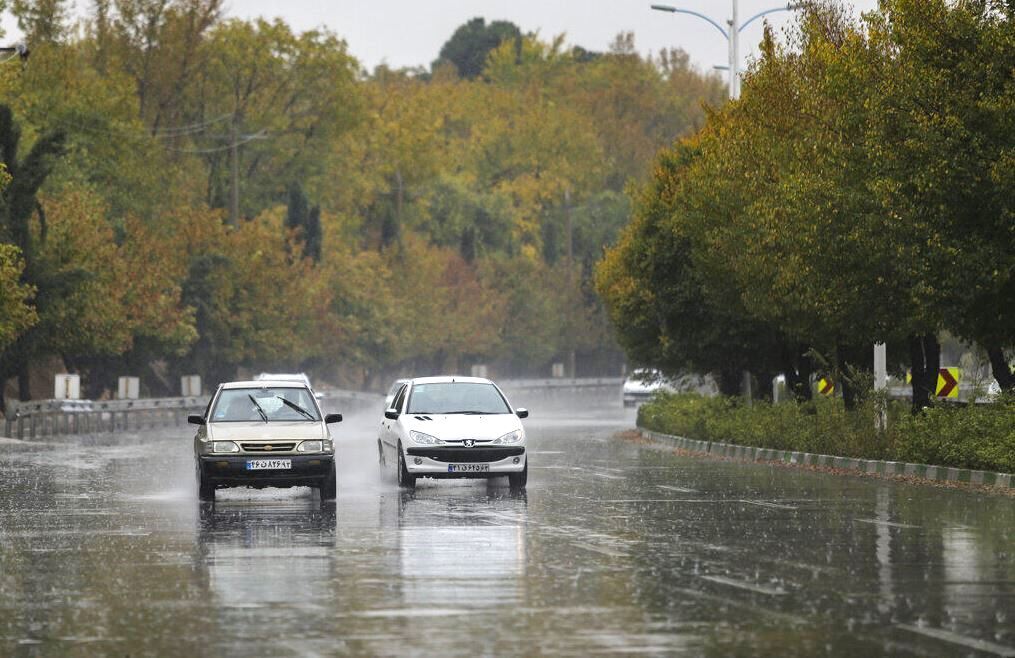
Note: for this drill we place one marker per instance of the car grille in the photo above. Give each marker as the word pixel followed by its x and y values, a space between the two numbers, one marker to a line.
pixel 280 446
pixel 467 455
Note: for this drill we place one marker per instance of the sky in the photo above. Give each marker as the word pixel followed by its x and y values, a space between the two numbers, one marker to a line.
pixel 404 33
pixel 410 33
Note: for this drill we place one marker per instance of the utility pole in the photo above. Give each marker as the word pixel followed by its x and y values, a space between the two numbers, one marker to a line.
pixel 234 174
pixel 569 228
pixel 731 33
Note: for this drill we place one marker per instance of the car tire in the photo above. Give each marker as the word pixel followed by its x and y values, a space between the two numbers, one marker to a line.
pixel 406 480
pixel 329 485
pixel 518 480
pixel 205 490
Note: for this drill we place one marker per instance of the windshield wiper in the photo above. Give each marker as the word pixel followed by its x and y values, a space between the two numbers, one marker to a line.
pixel 469 413
pixel 293 405
pixel 264 416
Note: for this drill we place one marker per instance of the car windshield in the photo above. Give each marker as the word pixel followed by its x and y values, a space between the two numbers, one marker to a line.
pixel 270 404
pixel 456 398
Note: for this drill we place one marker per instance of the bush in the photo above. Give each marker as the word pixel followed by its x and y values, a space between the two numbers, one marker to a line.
pixel 973 436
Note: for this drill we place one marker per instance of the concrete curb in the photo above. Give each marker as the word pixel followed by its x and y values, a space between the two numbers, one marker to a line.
pixel 870 466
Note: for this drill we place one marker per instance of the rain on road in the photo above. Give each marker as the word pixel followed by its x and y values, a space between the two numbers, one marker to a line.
pixel 617 547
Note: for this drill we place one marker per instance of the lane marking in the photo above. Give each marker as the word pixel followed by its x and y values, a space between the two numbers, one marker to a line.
pixel 886 523
pixel 762 503
pixel 667 487
pixel 733 603
pixel 750 587
pixel 609 477
pixel 961 640
pixel 597 549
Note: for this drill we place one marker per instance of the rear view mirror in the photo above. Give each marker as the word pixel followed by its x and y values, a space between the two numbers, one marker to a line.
pixel 333 418
pixel 195 419
pixel 391 413
pixel 522 412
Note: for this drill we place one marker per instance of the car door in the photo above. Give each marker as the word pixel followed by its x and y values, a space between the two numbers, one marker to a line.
pixel 389 433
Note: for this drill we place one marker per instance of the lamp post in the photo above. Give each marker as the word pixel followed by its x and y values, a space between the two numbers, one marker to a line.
pixel 732 35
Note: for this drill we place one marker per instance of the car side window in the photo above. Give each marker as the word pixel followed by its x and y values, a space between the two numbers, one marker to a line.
pixel 399 398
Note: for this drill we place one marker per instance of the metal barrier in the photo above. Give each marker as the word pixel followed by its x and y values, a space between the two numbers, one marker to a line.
pixel 36 418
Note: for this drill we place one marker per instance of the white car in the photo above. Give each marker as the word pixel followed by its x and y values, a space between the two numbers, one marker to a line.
pixel 452 427
pixel 264 434
pixel 288 377
pixel 390 396
pixel 642 385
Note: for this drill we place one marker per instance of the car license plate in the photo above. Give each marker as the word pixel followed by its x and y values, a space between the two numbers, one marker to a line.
pixel 468 468
pixel 269 464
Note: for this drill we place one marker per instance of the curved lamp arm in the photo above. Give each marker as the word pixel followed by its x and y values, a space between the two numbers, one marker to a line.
pixel 674 10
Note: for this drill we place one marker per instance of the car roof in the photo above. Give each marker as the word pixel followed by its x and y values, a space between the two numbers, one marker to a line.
pixel 265 383
pixel 447 379
pixel 283 376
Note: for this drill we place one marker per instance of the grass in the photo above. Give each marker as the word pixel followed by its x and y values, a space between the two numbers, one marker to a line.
pixel 975 436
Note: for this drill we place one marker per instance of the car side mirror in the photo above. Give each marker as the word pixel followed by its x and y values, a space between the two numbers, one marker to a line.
pixel 319 396
pixel 522 412
pixel 196 419
pixel 333 418
pixel 391 413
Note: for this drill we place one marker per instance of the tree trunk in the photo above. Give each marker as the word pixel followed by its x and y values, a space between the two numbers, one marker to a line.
pixel 925 355
pixel 1002 371
pixel 24 383
pixel 798 372
pixel 729 382
pixel 846 385
pixel 765 387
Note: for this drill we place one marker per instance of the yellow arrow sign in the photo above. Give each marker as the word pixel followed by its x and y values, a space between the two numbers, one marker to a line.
pixel 826 386
pixel 947 383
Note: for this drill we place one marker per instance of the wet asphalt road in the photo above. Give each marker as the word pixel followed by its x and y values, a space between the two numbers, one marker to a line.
pixel 616 548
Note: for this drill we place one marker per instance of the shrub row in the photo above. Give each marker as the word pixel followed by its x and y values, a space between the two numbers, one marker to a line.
pixel 975 436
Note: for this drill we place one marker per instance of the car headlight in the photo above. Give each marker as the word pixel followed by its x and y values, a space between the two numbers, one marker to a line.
pixel 510 437
pixel 310 446
pixel 424 439
pixel 224 446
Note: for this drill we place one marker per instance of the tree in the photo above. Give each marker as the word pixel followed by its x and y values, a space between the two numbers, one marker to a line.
pixel 16 311
pixel 943 135
pixel 472 42
pixel 664 312
pixel 19 205
pixel 305 222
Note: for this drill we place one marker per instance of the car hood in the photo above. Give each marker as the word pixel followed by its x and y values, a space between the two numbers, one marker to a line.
pixel 638 386
pixel 455 427
pixel 254 431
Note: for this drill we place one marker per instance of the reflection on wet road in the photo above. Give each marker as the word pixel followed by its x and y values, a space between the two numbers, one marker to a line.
pixel 616 547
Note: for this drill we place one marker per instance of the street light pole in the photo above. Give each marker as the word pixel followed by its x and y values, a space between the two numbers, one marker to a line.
pixel 732 35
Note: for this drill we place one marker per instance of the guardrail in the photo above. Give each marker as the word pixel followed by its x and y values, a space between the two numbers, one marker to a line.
pixel 37 418
pixel 52 417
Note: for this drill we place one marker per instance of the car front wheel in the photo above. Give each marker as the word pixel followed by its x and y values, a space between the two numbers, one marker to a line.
pixel 518 480
pixel 406 479
pixel 205 490
pixel 329 484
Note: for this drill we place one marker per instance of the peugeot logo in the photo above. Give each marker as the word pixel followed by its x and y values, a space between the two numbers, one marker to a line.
pixel 468 443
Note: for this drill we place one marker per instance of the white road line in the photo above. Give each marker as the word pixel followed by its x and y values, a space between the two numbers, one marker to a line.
pixel 598 549
pixel 667 487
pixel 886 523
pixel 751 587
pixel 762 503
pixel 961 640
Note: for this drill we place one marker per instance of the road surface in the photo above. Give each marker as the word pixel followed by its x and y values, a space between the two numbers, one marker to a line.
pixel 617 547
